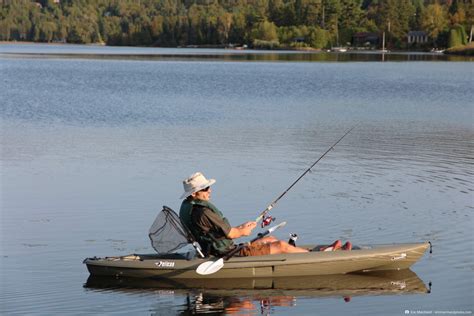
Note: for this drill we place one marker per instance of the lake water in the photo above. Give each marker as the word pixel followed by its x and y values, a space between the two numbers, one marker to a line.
pixel 91 148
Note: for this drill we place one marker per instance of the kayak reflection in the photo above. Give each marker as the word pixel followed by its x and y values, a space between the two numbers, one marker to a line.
pixel 205 303
pixel 261 294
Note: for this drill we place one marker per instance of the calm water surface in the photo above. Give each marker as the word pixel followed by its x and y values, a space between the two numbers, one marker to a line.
pixel 92 148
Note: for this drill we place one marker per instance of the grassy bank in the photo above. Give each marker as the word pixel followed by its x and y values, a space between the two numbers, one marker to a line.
pixel 465 50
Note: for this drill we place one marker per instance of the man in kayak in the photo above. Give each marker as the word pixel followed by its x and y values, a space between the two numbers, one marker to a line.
pixel 212 229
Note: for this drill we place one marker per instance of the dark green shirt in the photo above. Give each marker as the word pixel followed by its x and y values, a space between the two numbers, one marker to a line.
pixel 208 225
pixel 208 221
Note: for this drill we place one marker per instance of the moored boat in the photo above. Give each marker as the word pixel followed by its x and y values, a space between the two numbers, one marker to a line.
pixel 178 266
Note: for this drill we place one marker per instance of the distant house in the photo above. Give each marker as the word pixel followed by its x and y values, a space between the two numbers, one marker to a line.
pixel 40 6
pixel 363 39
pixel 298 39
pixel 417 37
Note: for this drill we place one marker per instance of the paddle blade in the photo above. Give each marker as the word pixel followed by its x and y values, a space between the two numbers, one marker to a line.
pixel 210 267
pixel 272 229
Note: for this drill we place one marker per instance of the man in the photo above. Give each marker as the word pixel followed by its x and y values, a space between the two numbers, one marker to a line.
pixel 212 229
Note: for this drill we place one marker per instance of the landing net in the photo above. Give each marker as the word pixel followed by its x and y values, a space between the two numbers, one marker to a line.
pixel 168 235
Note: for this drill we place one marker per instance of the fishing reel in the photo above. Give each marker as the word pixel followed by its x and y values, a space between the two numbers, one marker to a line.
pixel 292 240
pixel 267 220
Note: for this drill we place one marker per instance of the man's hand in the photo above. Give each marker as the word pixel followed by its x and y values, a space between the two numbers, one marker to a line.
pixel 246 228
pixel 242 230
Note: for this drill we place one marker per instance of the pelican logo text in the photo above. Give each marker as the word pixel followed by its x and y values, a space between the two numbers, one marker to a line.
pixel 402 256
pixel 165 264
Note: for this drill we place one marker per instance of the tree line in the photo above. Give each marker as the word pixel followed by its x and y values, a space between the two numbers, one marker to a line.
pixel 256 23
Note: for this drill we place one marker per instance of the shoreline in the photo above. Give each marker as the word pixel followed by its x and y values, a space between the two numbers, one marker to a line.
pixel 239 48
pixel 92 51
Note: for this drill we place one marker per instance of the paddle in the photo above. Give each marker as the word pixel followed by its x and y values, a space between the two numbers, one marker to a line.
pixel 210 267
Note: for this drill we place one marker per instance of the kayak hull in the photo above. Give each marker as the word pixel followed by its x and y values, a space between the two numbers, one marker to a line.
pixel 376 258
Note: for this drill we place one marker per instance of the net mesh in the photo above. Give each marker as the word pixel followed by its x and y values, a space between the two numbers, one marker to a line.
pixel 168 235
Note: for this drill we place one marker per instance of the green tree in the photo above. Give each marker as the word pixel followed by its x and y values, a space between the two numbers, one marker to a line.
pixel 350 20
pixel 318 38
pixel 276 12
pixel 393 17
pixel 434 20
pixel 264 35
pixel 331 10
pixel 5 26
pixel 224 25
pixel 265 31
pixel 457 36
pixel 112 30
pixel 156 27
pixel 47 31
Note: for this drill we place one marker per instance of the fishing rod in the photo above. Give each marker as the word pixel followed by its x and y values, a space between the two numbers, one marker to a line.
pixel 267 220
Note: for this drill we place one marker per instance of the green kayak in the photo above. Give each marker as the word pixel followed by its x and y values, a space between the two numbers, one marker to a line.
pixel 314 263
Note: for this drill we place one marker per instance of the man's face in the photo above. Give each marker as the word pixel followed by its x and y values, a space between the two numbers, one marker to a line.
pixel 204 194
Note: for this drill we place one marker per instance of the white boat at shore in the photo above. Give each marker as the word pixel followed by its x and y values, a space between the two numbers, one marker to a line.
pixel 339 49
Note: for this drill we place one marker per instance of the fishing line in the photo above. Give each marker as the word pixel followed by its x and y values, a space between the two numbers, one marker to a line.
pixel 266 220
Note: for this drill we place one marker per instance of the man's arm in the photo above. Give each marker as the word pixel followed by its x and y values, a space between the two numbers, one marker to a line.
pixel 208 220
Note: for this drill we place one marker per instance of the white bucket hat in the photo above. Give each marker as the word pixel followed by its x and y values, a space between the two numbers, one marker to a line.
pixel 196 182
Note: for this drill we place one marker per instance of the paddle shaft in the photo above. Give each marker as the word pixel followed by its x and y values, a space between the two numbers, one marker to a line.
pixel 269 207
